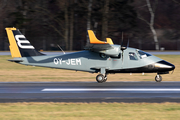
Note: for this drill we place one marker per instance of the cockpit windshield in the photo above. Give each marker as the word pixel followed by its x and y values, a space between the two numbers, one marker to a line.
pixel 143 54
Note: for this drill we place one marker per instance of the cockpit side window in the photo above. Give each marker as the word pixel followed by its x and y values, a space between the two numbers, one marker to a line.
pixel 132 56
pixel 143 54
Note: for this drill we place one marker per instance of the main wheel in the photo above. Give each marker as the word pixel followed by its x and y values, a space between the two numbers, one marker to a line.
pixel 158 78
pixel 100 78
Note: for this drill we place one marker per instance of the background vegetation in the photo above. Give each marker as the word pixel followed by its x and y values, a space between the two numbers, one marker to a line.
pixel 148 24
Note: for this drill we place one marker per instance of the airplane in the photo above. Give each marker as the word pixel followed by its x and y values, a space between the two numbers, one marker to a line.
pixel 103 57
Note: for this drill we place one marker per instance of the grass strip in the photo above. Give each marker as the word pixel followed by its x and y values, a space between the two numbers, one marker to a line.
pixel 89 111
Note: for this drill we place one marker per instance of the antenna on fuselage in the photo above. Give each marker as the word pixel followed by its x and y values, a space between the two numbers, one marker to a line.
pixel 61 49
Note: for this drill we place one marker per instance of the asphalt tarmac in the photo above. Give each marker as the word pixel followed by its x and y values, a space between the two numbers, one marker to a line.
pixel 129 92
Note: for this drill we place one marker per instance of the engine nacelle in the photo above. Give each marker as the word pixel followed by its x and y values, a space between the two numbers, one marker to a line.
pixel 112 52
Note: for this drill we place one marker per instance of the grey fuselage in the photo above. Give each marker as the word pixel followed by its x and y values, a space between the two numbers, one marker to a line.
pixel 128 61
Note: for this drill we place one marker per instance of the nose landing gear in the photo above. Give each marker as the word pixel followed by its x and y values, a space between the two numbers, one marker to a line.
pixel 158 78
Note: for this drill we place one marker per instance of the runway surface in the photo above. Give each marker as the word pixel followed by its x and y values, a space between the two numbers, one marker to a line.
pixel 90 92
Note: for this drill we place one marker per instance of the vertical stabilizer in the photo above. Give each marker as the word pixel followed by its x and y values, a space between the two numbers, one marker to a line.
pixel 19 45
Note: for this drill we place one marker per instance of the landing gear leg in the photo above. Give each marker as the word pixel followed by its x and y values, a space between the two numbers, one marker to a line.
pixel 105 78
pixel 158 78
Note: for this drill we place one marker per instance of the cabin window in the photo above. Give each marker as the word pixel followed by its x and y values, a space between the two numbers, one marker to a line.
pixel 132 56
pixel 143 54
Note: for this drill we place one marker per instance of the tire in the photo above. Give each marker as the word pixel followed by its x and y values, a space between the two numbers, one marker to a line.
pixel 158 79
pixel 100 78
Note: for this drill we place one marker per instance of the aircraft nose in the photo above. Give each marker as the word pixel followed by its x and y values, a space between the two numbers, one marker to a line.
pixel 164 65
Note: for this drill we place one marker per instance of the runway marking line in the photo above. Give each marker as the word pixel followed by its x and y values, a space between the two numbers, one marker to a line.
pixel 109 89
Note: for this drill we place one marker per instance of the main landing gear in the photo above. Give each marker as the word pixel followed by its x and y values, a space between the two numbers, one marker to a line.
pixel 101 78
pixel 158 78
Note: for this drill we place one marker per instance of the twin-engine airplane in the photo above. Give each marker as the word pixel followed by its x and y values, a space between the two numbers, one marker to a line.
pixel 98 57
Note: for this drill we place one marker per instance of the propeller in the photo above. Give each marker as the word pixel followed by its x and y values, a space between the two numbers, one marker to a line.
pixel 123 47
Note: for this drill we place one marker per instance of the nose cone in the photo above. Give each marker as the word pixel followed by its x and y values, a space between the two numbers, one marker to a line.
pixel 164 66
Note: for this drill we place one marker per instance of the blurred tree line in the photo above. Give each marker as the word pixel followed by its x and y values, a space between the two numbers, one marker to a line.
pixel 147 24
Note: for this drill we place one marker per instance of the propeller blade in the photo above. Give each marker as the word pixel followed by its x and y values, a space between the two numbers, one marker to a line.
pixel 122 39
pixel 122 46
pixel 125 47
pixel 128 43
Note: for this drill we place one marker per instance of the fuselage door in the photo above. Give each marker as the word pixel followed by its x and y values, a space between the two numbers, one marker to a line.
pixel 130 60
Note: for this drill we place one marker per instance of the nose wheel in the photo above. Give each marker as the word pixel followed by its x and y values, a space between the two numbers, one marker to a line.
pixel 158 78
pixel 101 78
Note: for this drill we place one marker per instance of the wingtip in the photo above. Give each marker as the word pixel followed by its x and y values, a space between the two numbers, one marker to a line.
pixel 109 40
pixel 93 39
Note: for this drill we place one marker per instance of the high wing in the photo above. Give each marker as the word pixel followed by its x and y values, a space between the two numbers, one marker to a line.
pixel 97 45
pixel 107 48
